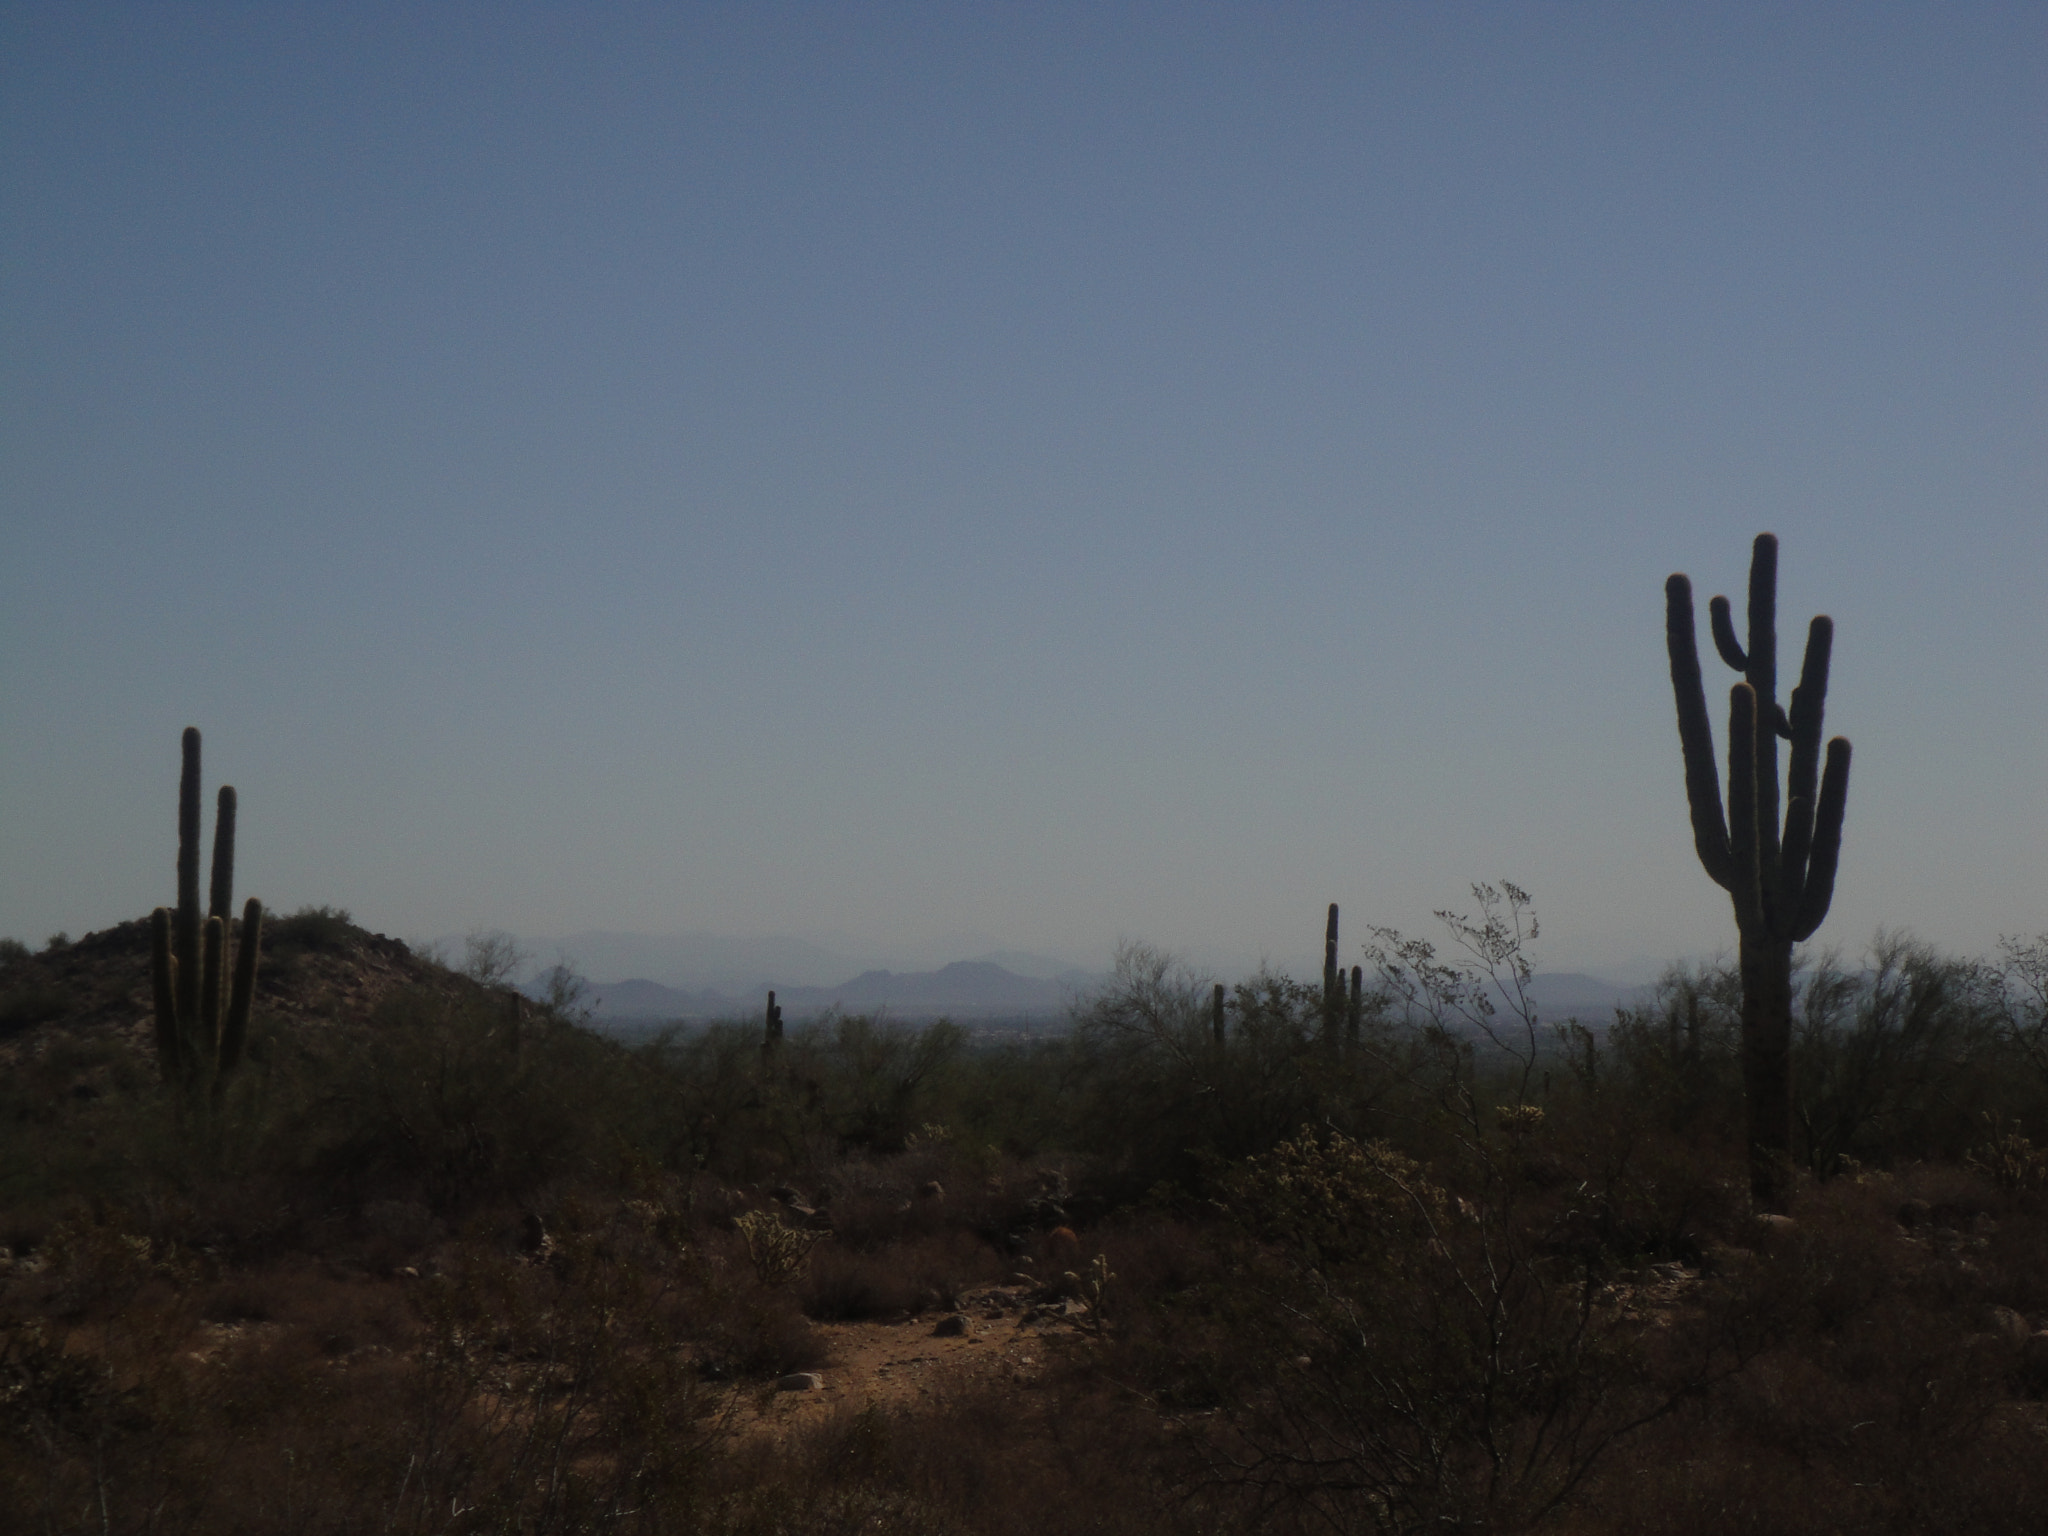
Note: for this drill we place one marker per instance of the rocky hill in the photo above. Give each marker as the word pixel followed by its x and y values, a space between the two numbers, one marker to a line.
pixel 318 970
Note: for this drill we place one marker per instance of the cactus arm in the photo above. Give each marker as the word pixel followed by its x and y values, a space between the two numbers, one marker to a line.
pixel 1793 859
pixel 1723 626
pixel 1745 882
pixel 1762 671
pixel 205 1036
pixel 220 895
pixel 1695 735
pixel 1809 704
pixel 186 935
pixel 1827 842
pixel 234 1033
pixel 1763 677
pixel 163 977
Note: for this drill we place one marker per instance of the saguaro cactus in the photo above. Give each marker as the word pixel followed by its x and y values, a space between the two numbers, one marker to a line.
pixel 1333 982
pixel 771 1036
pixel 1216 1023
pixel 202 1017
pixel 1780 882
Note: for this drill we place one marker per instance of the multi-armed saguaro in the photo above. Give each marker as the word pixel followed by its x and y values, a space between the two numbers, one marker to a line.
pixel 1780 882
pixel 200 1031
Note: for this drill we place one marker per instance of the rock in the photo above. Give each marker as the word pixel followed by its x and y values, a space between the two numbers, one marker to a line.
pixel 2011 1326
pixel 951 1327
pixel 1777 1225
pixel 801 1381
pixel 1915 1213
pixel 931 1189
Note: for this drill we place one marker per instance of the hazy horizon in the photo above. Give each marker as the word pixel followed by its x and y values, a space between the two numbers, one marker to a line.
pixel 1056 474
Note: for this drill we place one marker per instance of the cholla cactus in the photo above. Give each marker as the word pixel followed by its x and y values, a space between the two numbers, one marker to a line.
pixel 777 1252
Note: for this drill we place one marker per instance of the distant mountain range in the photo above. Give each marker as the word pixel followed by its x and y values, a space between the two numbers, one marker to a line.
pixel 736 967
pixel 966 989
pixel 981 989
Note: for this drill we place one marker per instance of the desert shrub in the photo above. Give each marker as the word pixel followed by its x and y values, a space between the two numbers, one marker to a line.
pixel 717 1109
pixel 1896 1061
pixel 1678 1057
pixel 917 1275
pixel 868 1084
pixel 1396 1347
pixel 309 930
pixel 2018 987
pixel 451 1101
pixel 25 1007
pixel 1158 1099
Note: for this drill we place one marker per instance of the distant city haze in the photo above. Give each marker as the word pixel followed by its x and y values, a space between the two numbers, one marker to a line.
pixel 933 483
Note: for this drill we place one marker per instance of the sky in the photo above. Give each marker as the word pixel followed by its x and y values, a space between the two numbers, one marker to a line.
pixel 931 477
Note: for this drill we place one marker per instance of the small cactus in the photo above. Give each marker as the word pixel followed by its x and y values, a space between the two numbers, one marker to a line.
pixel 202 1011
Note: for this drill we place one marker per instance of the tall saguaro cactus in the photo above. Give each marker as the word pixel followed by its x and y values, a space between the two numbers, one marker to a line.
pixel 1780 880
pixel 1333 982
pixel 202 1013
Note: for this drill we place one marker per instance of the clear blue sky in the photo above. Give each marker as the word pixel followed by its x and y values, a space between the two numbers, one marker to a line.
pixel 1044 472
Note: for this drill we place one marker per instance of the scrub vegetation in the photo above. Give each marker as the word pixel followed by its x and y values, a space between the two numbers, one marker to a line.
pixel 440 1258
pixel 304 1232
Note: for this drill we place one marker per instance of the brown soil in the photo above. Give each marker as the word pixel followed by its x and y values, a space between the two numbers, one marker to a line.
pixel 1008 1343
